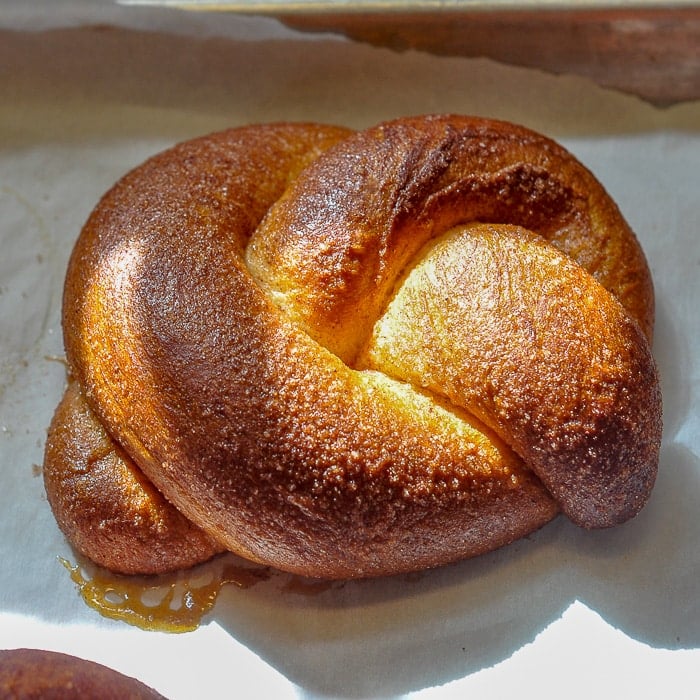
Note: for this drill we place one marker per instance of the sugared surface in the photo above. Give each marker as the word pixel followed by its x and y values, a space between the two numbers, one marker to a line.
pixel 236 313
pixel 50 675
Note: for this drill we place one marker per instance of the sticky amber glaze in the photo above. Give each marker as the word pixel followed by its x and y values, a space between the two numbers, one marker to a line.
pixel 166 603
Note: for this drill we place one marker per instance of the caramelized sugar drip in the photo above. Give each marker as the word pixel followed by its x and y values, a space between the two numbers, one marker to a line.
pixel 167 603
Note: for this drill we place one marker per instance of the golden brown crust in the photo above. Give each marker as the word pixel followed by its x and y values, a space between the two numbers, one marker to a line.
pixel 332 248
pixel 551 361
pixel 231 305
pixel 105 506
pixel 50 675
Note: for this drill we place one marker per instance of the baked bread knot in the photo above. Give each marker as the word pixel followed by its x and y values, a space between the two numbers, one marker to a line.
pixel 349 354
pixel 50 675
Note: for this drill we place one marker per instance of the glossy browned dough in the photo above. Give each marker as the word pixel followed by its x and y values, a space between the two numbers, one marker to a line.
pixel 263 320
pixel 35 673
pixel 106 506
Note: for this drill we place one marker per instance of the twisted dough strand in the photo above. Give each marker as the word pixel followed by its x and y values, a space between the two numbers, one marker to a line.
pixel 333 247
pixel 263 320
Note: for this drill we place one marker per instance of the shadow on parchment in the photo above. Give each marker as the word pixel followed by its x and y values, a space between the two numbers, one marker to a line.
pixel 445 624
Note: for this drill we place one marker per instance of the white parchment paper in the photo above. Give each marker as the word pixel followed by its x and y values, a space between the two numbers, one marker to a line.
pixel 613 613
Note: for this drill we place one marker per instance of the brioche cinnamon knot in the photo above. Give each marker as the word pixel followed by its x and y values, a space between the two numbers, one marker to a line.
pixel 352 354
